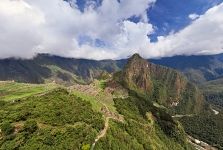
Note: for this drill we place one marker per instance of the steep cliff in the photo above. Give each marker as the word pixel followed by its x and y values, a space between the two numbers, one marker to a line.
pixel 162 85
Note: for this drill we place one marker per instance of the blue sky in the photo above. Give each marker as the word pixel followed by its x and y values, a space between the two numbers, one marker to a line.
pixel 110 29
pixel 168 15
pixel 172 15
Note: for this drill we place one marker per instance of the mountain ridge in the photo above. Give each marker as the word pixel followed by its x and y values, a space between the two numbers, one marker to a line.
pixel 197 69
pixel 162 85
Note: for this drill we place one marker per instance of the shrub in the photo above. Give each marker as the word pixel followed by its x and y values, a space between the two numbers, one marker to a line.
pixel 7 128
pixel 30 126
pixel 86 147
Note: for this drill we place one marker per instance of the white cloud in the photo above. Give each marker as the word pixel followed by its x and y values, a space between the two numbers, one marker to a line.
pixel 202 36
pixel 53 26
pixel 39 26
pixel 193 16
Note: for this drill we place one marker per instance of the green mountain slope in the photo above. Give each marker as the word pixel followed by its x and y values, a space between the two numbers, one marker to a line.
pixel 61 120
pixel 146 127
pixel 207 128
pixel 56 120
pixel 162 85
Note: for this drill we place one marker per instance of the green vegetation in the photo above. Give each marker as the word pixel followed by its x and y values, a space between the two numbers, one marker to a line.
pixel 14 91
pixel 45 117
pixel 7 128
pixel 146 127
pixel 64 75
pixel 56 120
pixel 215 98
pixel 30 126
pixel 213 91
pixel 102 84
pixel 96 104
pixel 162 85
pixel 99 98
pixel 207 128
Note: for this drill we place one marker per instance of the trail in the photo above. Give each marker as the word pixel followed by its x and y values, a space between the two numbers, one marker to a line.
pixel 200 145
pixel 108 115
pixel 102 133
pixel 180 116
pixel 215 111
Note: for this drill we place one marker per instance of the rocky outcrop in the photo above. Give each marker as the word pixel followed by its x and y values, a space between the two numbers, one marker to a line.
pixel 161 84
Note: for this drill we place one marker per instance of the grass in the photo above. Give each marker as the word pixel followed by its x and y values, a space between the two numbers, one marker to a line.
pixel 98 101
pixel 102 98
pixel 12 90
pixel 102 84
pixel 96 105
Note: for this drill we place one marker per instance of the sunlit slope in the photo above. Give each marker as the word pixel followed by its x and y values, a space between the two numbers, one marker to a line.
pixel 12 90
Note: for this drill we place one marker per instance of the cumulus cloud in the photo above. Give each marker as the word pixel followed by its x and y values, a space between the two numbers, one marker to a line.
pixel 53 26
pixel 202 36
pixel 29 27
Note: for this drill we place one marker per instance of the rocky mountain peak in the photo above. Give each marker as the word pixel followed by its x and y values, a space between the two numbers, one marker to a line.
pixel 163 85
pixel 137 74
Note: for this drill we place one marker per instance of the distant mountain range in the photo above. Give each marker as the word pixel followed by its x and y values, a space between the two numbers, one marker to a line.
pixel 198 69
pixel 47 67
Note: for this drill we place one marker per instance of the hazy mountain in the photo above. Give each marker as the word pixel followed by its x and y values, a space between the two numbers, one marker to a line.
pixel 45 66
pixel 197 68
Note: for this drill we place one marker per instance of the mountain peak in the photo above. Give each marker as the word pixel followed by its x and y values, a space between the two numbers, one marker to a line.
pixel 137 59
pixel 136 74
pixel 135 56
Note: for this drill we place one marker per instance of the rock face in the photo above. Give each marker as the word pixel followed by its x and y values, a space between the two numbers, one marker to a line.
pixel 162 85
pixel 137 74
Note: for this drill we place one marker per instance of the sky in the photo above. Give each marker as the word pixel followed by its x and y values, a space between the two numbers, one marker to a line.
pixel 110 29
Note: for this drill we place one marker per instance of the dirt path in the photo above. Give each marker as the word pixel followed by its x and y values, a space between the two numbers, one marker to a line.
pixel 200 145
pixel 180 116
pixel 108 115
pixel 102 133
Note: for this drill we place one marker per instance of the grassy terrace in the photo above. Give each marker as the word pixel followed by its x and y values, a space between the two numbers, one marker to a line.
pixel 12 90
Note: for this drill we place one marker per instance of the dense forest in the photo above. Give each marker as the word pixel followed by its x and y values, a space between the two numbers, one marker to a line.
pixel 145 127
pixel 60 120
pixel 207 128
pixel 56 120
pixel 215 98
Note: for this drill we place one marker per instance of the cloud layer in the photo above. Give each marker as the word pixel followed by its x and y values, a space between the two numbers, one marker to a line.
pixel 29 27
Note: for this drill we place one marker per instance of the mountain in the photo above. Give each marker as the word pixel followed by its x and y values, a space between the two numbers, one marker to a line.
pixel 198 69
pixel 45 67
pixel 93 116
pixel 167 86
pixel 162 85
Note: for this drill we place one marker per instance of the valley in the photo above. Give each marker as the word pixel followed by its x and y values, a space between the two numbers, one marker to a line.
pixel 111 75
pixel 129 103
